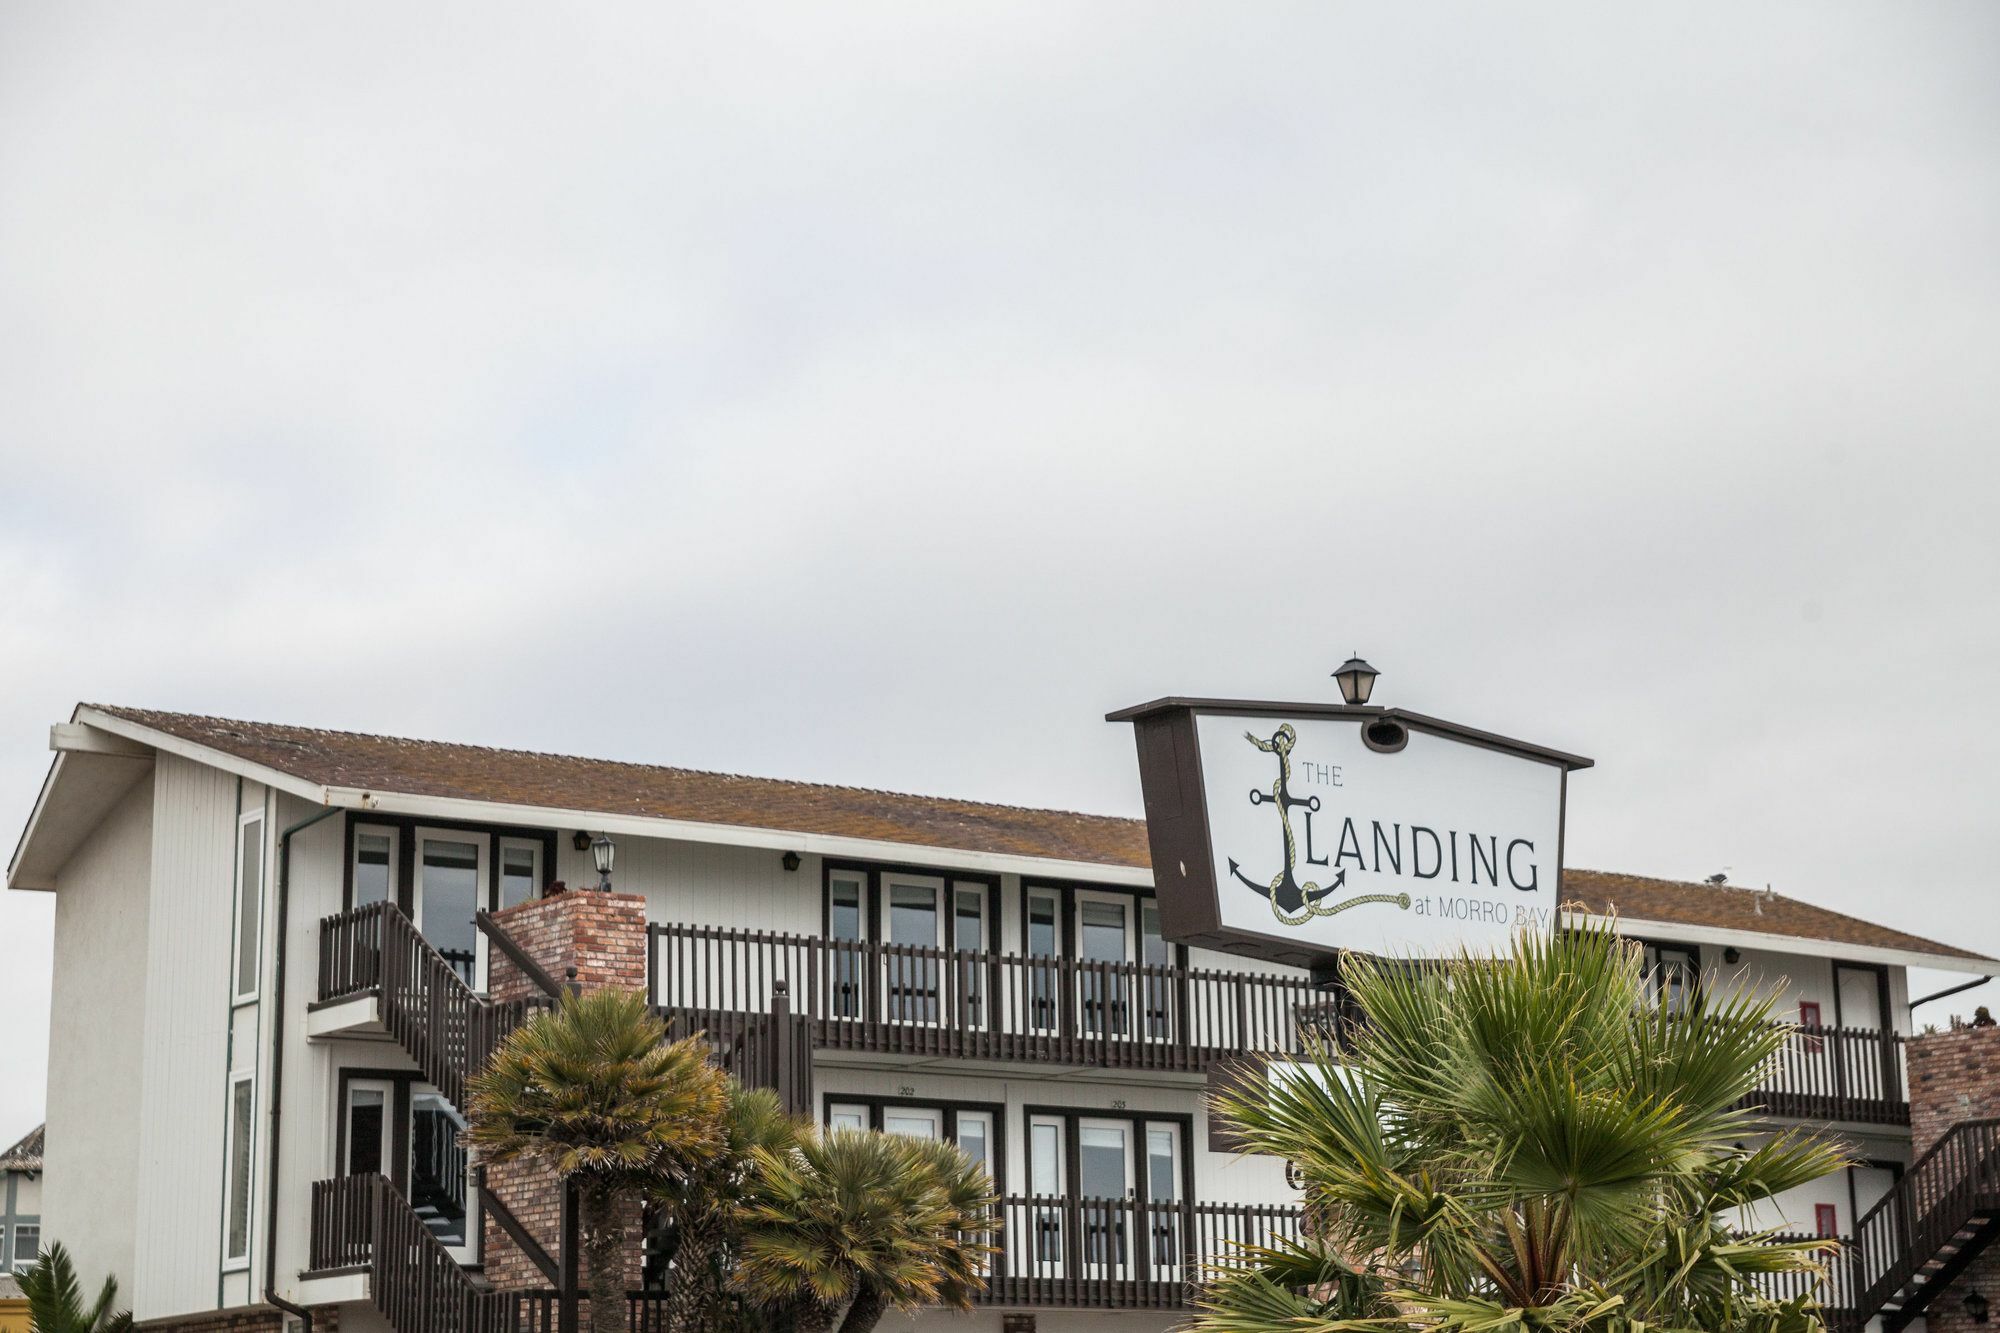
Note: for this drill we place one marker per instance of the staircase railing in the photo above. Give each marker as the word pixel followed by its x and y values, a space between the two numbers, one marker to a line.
pixel 363 1222
pixel 449 1029
pixel 1942 1190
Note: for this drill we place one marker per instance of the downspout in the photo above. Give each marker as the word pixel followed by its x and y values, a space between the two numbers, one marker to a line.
pixel 1948 990
pixel 271 1296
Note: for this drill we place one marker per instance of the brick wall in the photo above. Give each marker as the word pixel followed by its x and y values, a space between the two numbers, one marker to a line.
pixel 603 936
pixel 1955 1076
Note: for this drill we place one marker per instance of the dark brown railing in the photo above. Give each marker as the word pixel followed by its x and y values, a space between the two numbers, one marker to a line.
pixel 1119 1254
pixel 1851 1074
pixel 1950 1189
pixel 447 1028
pixel 910 1000
pixel 363 1222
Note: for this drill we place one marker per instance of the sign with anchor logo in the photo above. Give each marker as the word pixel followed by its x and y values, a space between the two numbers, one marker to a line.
pixel 1292 902
pixel 1292 832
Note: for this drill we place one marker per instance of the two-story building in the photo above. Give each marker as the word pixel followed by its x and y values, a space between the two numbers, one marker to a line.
pixel 279 951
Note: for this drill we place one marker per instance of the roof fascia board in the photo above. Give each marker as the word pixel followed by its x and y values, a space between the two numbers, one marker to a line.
pixel 1797 944
pixel 14 880
pixel 203 754
pixel 1418 721
pixel 741 835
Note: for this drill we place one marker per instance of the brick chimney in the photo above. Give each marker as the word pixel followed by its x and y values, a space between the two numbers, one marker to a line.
pixel 602 936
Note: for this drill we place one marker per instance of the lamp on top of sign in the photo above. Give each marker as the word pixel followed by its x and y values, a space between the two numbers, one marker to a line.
pixel 1292 832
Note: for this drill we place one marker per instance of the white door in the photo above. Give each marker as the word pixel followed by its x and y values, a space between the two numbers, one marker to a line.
pixel 915 932
pixel 1104 936
pixel 1105 1196
pixel 450 890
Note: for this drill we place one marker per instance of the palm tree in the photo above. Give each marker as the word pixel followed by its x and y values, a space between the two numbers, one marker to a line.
pixel 55 1297
pixel 862 1222
pixel 595 1093
pixel 702 1205
pixel 1523 1144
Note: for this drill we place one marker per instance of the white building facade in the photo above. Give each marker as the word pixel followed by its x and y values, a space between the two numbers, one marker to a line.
pixel 232 1036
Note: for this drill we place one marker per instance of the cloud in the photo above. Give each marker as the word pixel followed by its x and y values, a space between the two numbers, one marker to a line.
pixel 881 393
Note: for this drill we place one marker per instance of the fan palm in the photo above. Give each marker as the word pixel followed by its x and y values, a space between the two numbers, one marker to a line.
pixel 701 1208
pixel 55 1297
pixel 594 1092
pixel 1523 1143
pixel 862 1222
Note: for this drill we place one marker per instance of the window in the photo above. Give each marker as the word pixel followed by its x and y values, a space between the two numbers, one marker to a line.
pixel 374 866
pixel 843 924
pixel 913 1122
pixel 1102 938
pixel 842 1115
pixel 242 1110
pixel 1043 942
pixel 975 1137
pixel 1826 1220
pixel 27 1245
pixel 968 936
pixel 249 901
pixel 520 873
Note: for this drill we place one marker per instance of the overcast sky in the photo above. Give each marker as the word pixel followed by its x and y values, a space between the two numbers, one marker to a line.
pixel 879 394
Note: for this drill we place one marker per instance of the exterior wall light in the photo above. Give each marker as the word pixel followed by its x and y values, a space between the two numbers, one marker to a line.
pixel 791 861
pixel 1975 1306
pixel 1357 680
pixel 1732 955
pixel 603 851
pixel 581 841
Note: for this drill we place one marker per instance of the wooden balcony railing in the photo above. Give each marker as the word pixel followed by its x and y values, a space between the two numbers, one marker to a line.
pixel 363 1222
pixel 1119 1254
pixel 1853 1074
pixel 446 1027
pixel 904 999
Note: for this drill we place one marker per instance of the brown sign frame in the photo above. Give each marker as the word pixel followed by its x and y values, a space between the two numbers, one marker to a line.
pixel 1177 830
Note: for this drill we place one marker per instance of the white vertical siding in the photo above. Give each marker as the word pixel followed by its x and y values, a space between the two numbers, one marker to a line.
pixel 311 1071
pixel 96 1043
pixel 184 1068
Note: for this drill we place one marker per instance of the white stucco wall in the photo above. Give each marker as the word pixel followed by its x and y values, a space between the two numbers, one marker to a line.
pixel 96 1043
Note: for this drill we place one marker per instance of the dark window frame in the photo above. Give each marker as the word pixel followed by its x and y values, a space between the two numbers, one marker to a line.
pixel 406 826
pixel 949 1107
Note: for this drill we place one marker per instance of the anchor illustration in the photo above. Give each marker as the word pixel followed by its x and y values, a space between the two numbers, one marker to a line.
pixel 1292 902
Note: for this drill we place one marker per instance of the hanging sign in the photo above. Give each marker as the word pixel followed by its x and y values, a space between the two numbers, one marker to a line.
pixel 1294 831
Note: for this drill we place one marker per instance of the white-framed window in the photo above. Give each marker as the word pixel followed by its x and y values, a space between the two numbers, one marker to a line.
pixel 520 871
pixel 249 903
pixel 370 1104
pixel 237 1198
pixel 375 864
pixel 27 1245
pixel 843 1115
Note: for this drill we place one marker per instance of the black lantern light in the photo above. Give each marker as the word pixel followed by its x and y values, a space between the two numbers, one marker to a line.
pixel 603 851
pixel 581 841
pixel 791 862
pixel 1357 680
pixel 1975 1306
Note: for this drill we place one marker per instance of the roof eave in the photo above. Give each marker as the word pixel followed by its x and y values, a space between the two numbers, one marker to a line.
pixel 1775 943
pixel 741 835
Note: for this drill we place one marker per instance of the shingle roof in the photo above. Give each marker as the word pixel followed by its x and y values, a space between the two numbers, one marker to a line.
pixel 517 777
pixel 1732 907
pixel 387 764
pixel 25 1155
